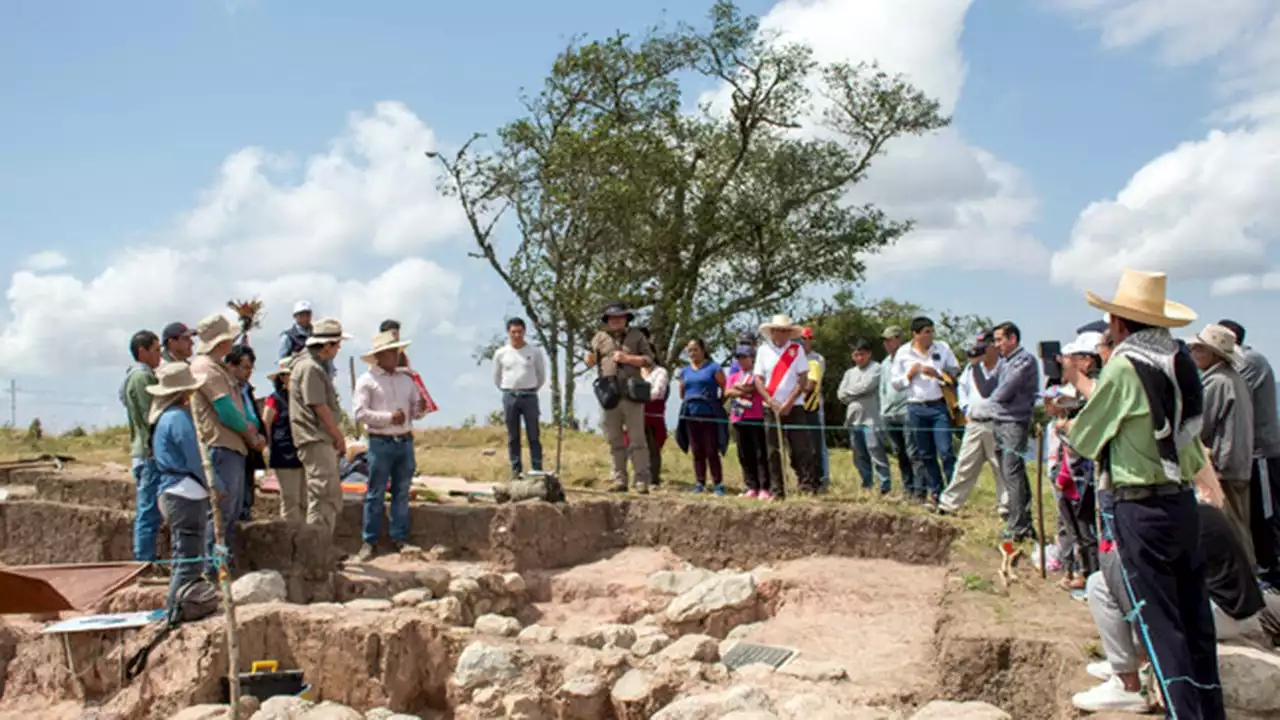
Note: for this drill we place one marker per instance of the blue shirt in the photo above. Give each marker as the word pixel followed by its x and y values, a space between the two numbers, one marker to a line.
pixel 701 391
pixel 250 410
pixel 176 451
pixel 1012 396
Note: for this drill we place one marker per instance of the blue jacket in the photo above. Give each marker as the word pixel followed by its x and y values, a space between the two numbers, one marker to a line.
pixel 175 449
pixel 1012 393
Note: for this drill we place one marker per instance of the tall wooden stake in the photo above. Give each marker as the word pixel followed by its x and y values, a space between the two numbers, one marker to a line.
pixel 224 581
pixel 1044 546
pixel 782 448
pixel 351 368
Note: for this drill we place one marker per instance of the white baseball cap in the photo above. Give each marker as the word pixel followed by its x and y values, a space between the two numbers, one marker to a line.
pixel 1086 343
pixel 301 306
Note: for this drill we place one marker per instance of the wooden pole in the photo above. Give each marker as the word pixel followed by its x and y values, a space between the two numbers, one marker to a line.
pixel 351 368
pixel 1044 545
pixel 224 580
pixel 782 447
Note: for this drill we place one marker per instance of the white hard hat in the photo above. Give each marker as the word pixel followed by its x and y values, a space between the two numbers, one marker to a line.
pixel 301 306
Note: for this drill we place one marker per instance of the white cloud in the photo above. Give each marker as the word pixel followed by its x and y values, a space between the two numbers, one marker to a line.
pixel 46 261
pixel 1202 210
pixel 961 197
pixel 256 234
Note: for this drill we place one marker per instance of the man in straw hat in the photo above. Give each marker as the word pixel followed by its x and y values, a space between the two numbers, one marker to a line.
pixel 222 422
pixel 1141 424
pixel 387 402
pixel 1227 432
pixel 782 373
pixel 180 481
pixel 313 419
pixel 282 454
pixel 622 351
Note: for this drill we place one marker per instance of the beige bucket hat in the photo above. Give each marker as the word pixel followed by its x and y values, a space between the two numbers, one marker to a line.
pixel 213 331
pixel 386 340
pixel 1140 296
pixel 173 380
pixel 781 322
pixel 326 331
pixel 285 367
pixel 1220 340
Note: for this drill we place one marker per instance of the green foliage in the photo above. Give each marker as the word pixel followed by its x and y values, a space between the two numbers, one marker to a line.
pixel 496 419
pixel 76 432
pixel 469 422
pixel 35 431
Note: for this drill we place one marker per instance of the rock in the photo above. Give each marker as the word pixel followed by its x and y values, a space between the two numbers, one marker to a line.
pixel 693 648
pixel 388 714
pixel 608 635
pixel 676 582
pixel 448 610
pixel 436 579
pixel 481 664
pixel 521 706
pixel 637 696
pixel 812 670
pixel 755 673
pixel 605 664
pixel 497 625
pixel 249 705
pixel 947 710
pixel 649 643
pixel 282 707
pixel 820 707
pixel 718 592
pixel 261 586
pixel 409 598
pixel 513 584
pixel 582 698
pixel 750 715
pixel 1250 679
pixel 536 634
pixel 328 710
pixel 464 588
pixel 369 605
pixel 713 706
pixel 742 631
pixel 481 606
pixel 486 698
pixel 203 712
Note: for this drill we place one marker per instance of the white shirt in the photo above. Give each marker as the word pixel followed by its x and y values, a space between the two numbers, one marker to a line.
pixel 658 381
pixel 188 489
pixel 518 369
pixel 767 357
pixel 967 395
pixel 922 388
pixel 380 393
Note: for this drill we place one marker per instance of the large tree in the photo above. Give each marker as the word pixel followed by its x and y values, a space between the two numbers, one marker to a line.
pixel 702 218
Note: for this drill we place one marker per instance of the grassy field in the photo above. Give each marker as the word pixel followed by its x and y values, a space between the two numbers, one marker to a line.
pixel 479 454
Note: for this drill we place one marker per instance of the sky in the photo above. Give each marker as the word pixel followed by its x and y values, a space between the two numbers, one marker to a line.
pixel 158 159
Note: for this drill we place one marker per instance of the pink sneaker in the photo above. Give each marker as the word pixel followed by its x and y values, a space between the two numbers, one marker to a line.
pixel 750 494
pixel 764 495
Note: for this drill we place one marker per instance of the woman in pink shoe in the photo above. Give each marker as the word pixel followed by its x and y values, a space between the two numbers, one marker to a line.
pixel 746 413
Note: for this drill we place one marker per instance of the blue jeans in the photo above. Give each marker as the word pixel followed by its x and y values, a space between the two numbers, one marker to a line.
pixel 391 463
pixel 517 407
pixel 146 513
pixel 869 451
pixel 187 524
pixel 228 483
pixel 930 429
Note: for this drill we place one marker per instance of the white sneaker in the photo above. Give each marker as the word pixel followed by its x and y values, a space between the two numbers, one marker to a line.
pixel 1101 670
pixel 1110 695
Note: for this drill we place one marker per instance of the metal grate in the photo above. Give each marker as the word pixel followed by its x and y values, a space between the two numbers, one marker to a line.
pixel 744 654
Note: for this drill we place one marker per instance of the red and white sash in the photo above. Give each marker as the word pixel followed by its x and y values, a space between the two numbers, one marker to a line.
pixel 785 361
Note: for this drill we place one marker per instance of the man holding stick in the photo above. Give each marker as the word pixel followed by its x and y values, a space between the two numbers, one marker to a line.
pixel 781 372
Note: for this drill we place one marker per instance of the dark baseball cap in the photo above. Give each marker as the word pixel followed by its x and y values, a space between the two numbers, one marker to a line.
pixel 977 349
pixel 175 330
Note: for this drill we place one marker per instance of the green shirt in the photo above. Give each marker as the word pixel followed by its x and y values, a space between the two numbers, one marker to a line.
pixel 137 402
pixel 1117 414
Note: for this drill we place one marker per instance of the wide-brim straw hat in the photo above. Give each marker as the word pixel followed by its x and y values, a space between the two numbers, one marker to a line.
pixel 173 380
pixel 1140 296
pixel 213 331
pixel 328 330
pixel 1220 340
pixel 382 342
pixel 285 367
pixel 781 322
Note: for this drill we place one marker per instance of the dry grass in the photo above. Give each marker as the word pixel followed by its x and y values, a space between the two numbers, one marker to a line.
pixel 479 454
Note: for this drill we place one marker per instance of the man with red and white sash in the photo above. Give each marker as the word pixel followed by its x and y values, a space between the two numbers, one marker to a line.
pixel 781 370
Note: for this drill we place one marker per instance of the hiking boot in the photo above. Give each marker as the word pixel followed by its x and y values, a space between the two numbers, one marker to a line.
pixel 718 490
pixel 403 547
pixel 1110 695
pixel 366 554
pixel 642 489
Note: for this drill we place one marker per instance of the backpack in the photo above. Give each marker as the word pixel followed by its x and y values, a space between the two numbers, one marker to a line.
pixel 196 600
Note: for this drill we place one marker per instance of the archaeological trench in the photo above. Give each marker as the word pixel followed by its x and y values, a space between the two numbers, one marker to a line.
pixel 597 609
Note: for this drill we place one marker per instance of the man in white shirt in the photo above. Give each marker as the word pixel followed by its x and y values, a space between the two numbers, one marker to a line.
pixel 387 402
pixel 919 369
pixel 519 372
pixel 781 372
pixel 979 443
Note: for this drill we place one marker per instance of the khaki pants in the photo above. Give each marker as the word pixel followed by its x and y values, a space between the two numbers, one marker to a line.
pixel 628 417
pixel 977 448
pixel 1236 507
pixel 293 496
pixel 324 485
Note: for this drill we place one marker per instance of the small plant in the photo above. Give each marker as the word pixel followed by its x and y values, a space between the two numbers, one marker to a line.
pixel 975 582
pixel 468 422
pixel 35 431
pixel 496 419
pixel 76 432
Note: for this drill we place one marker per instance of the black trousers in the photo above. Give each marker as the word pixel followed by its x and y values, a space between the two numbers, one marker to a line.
pixel 1265 532
pixel 1158 540
pixel 799 444
pixel 655 455
pixel 753 453
pixel 1079 521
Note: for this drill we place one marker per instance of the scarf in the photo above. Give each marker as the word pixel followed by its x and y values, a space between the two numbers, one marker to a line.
pixel 1174 394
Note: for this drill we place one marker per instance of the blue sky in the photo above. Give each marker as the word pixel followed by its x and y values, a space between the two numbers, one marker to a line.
pixel 120 206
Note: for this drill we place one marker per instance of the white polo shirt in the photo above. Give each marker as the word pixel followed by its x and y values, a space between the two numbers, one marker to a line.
pixel 923 388
pixel 767 357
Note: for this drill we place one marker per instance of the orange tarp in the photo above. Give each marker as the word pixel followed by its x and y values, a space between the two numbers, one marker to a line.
pixel 55 588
